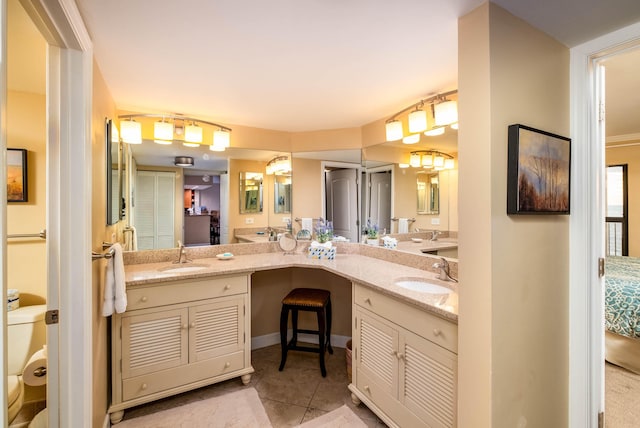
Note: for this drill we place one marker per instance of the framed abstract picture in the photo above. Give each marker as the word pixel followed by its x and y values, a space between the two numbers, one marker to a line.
pixel 538 172
pixel 16 175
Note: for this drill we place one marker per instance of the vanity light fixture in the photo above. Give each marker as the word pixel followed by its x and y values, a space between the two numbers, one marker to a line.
pixel 172 125
pixel 279 165
pixel 185 161
pixel 445 112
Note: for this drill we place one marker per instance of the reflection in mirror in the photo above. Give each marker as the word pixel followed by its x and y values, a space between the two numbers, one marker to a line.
pixel 250 192
pixel 282 194
pixel 428 193
pixel 113 174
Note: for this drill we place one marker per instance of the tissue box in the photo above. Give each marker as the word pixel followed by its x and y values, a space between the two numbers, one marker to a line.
pixel 13 299
pixel 390 244
pixel 321 253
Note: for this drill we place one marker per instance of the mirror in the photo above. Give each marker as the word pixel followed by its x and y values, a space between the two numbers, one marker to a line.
pixel 250 192
pixel 113 175
pixel 282 194
pixel 428 192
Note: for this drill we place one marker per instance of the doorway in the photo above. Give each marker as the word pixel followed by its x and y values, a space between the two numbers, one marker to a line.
pixel 379 197
pixel 342 199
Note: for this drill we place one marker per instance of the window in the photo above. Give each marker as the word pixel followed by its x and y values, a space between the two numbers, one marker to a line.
pixel 617 211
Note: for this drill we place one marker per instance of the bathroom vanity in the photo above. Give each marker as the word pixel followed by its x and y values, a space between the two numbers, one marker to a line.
pixel 177 336
pixel 188 326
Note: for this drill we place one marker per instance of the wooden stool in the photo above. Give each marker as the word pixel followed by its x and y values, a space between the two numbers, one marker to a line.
pixel 306 299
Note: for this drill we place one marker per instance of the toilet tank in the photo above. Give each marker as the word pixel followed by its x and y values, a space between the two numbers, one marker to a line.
pixel 26 333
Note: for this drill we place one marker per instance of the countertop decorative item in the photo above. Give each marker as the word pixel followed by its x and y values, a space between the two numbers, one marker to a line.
pixel 224 256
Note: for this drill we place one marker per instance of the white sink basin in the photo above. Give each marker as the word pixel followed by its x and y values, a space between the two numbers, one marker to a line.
pixel 183 268
pixel 417 284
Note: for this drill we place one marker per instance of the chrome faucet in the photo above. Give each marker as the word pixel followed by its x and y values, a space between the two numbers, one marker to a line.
pixel 182 254
pixel 443 267
pixel 434 235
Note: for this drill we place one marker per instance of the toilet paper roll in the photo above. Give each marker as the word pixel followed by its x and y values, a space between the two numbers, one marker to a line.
pixel 35 371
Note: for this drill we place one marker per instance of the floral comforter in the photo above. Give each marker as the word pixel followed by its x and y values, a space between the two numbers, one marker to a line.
pixel 622 296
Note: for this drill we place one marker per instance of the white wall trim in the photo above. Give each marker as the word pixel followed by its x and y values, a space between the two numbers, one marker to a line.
pixel 586 341
pixel 623 138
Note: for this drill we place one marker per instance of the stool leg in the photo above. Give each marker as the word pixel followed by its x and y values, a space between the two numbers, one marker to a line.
pixel 294 324
pixel 321 336
pixel 284 317
pixel 329 327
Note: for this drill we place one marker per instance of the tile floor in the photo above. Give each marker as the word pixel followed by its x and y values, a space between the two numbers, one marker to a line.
pixel 295 395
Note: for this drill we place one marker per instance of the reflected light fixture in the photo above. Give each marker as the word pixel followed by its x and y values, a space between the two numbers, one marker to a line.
pixel 414 160
pixel 185 161
pixel 431 159
pixel 454 126
pixel 279 165
pixel 411 139
pixel 131 131
pixel 403 165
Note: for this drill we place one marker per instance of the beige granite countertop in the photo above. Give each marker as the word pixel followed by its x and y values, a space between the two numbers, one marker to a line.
pixel 426 244
pixel 253 237
pixel 378 274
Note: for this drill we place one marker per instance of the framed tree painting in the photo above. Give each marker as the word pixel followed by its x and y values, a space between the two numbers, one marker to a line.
pixel 538 172
pixel 16 175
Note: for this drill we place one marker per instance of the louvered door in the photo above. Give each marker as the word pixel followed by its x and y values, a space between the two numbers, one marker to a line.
pixel 376 353
pixel 216 328
pixel 428 380
pixel 154 341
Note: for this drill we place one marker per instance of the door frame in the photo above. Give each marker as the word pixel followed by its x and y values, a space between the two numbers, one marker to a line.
pixel 366 198
pixel 586 332
pixel 69 184
pixel 323 193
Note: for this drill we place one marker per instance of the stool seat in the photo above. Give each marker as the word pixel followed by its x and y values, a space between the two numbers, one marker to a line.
pixel 309 297
pixel 306 299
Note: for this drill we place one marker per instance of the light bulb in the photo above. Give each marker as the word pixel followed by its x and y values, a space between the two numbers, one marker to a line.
pixel 163 131
pixel 417 121
pixel 414 160
pixel 446 113
pixel 131 131
pixel 193 133
pixel 394 130
pixel 221 138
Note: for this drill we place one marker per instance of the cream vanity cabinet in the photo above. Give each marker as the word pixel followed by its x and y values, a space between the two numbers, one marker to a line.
pixel 405 361
pixel 178 336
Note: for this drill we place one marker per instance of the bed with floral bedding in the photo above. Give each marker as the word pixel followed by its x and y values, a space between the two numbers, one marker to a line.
pixel 622 312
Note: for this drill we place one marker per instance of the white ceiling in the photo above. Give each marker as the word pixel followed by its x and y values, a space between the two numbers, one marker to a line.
pixel 295 65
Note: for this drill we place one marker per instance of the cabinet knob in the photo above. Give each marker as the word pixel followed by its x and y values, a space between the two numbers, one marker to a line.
pixel 227 365
pixel 192 325
pixel 367 300
pixel 143 299
pixel 437 332
pixel 366 388
pixel 227 287
pixel 143 386
pixel 400 356
pixel 185 326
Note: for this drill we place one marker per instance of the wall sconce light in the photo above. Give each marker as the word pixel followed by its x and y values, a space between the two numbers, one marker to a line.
pixel 131 131
pixel 185 161
pixel 445 112
pixel 170 124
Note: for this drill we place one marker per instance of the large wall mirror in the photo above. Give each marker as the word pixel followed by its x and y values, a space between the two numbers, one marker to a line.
pixel 114 174
pixel 282 194
pixel 428 193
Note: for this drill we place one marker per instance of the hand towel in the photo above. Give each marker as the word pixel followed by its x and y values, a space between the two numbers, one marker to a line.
pixel 115 293
pixel 307 224
pixel 403 225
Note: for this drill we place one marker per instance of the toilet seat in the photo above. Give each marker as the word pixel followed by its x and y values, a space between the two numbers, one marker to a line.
pixel 15 395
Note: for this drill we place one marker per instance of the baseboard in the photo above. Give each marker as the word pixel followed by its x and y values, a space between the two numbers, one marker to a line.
pixel 274 339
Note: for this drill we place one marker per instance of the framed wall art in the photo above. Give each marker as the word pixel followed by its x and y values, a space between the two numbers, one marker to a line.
pixel 538 172
pixel 16 175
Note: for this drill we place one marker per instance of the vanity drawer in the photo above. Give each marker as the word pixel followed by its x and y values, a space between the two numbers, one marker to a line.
pixel 185 291
pixel 431 327
pixel 141 386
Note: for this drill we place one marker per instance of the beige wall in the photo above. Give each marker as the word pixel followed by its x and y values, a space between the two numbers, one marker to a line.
pixel 103 107
pixel 513 325
pixel 27 258
pixel 307 188
pixel 630 155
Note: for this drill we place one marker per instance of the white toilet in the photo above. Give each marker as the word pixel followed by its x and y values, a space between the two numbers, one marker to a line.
pixel 26 334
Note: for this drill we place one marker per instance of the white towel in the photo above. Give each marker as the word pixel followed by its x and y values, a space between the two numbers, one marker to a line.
pixel 132 244
pixel 115 293
pixel 403 225
pixel 307 224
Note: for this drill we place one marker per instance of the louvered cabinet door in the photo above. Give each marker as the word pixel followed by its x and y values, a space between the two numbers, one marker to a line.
pixel 428 380
pixel 376 353
pixel 154 341
pixel 216 329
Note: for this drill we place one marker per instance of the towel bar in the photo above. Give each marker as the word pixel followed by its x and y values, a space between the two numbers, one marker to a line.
pixel 42 234
pixel 410 220
pixel 106 255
